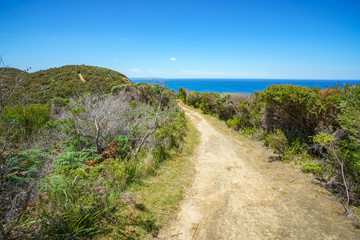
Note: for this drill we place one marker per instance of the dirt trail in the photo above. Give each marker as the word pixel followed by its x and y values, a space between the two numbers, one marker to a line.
pixel 238 193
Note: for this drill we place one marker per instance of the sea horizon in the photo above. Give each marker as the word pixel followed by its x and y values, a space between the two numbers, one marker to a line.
pixel 239 85
pixel 204 78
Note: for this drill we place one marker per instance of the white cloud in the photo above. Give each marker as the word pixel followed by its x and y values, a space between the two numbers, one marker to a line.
pixel 192 72
pixel 151 71
pixel 136 70
pixel 197 73
pixel 173 59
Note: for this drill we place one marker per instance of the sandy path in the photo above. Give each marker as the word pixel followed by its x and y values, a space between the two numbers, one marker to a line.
pixel 238 194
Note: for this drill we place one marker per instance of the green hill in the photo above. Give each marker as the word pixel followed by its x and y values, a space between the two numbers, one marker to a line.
pixel 8 72
pixel 7 75
pixel 66 81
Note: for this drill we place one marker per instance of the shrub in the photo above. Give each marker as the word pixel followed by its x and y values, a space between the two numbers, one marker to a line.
pixel 277 141
pixel 150 94
pixel 74 160
pixel 296 151
pixel 245 117
pixel 298 110
pixel 234 123
pixel 312 167
pixel 24 166
pixel 24 119
pixel 349 121
pixel 118 147
pixel 182 94
pixel 74 208
pixel 193 99
pixel 253 133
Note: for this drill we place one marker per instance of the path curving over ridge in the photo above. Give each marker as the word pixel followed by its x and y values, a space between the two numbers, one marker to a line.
pixel 238 193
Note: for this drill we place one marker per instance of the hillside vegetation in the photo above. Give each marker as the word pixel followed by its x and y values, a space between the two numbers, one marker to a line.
pixel 318 129
pixel 63 82
pixel 70 150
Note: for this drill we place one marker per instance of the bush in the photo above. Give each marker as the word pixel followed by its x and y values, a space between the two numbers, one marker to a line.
pixel 349 121
pixel 298 110
pixel 234 123
pixel 74 160
pixel 150 94
pixel 224 106
pixel 24 120
pixel 312 167
pixel 24 166
pixel 296 151
pixel 277 141
pixel 74 208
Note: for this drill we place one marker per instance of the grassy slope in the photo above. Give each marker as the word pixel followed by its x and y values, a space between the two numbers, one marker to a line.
pixel 157 198
pixel 11 73
pixel 64 82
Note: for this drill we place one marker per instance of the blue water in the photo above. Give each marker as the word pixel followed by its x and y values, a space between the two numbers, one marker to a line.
pixel 241 85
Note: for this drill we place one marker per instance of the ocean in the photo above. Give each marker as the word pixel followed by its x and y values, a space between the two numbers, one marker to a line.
pixel 240 85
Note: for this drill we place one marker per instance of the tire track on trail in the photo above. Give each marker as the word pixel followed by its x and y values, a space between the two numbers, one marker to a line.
pixel 237 193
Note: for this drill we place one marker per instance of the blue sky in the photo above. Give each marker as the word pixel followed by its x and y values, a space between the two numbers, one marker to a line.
pixel 186 39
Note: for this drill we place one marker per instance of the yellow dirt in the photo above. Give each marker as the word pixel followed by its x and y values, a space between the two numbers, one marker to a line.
pixel 238 193
pixel 81 77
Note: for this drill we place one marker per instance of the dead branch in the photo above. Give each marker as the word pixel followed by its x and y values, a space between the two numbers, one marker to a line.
pixel 346 206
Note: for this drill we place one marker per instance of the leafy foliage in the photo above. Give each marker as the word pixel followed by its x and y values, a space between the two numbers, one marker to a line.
pixel 24 166
pixel 145 93
pixel 298 110
pixel 226 106
pixel 96 144
pixel 72 160
pixel 73 208
pixel 350 121
pixel 105 144
pixel 277 141
pixel 26 118
pixel 312 167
